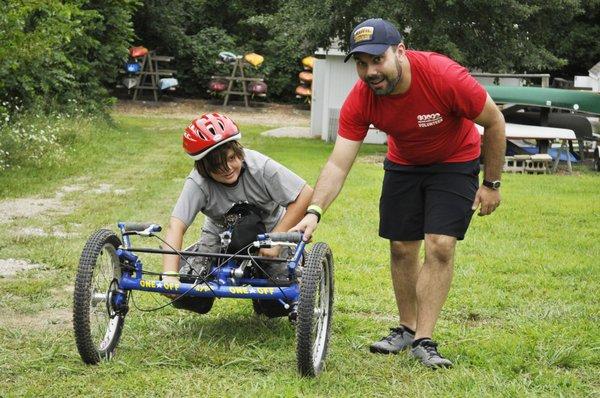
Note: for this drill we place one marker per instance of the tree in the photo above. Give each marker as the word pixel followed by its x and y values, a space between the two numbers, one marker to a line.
pixel 55 52
pixel 489 35
pixel 579 41
pixel 195 31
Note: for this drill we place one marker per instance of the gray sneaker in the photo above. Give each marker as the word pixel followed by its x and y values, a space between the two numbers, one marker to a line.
pixel 399 339
pixel 426 351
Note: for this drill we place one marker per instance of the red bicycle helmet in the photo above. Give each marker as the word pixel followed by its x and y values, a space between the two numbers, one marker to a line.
pixel 207 132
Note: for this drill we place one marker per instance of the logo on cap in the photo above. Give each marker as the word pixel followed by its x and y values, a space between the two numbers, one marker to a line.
pixel 363 34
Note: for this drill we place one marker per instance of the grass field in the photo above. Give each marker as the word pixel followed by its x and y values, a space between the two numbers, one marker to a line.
pixel 521 319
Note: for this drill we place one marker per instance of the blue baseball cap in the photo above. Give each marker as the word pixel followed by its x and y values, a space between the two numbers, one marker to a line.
pixel 373 36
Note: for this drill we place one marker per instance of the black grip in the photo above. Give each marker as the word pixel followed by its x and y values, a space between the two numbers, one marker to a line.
pixel 139 227
pixel 285 236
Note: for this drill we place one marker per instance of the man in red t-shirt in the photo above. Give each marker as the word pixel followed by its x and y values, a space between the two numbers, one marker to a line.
pixel 427 105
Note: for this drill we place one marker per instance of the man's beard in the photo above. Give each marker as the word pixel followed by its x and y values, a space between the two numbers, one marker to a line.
pixel 391 83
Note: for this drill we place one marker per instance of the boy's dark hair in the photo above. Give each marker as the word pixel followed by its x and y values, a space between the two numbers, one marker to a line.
pixel 216 160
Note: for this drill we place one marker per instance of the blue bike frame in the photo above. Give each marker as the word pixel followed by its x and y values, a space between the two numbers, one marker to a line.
pixel 220 282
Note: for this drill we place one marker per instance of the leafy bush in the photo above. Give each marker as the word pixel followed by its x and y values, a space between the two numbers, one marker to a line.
pixel 55 52
pixel 198 54
pixel 30 139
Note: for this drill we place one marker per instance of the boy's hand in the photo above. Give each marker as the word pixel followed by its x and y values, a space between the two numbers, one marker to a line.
pixel 270 252
pixel 171 280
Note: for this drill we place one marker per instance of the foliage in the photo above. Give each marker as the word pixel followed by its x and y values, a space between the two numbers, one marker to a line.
pixel 196 31
pixel 493 36
pixel 32 140
pixel 55 52
pixel 470 32
pixel 578 42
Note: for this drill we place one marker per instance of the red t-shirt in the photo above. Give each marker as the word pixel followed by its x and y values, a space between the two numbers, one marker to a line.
pixel 430 123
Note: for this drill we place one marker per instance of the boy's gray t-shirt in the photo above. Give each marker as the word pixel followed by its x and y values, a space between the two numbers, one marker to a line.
pixel 263 182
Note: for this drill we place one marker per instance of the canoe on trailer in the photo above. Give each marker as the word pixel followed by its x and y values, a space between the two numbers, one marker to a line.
pixel 573 100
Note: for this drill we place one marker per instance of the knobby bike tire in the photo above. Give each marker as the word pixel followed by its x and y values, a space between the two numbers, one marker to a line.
pixel 92 351
pixel 313 328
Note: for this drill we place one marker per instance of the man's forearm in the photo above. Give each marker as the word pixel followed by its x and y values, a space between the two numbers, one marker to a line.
pixel 494 139
pixel 329 184
pixel 332 177
pixel 494 148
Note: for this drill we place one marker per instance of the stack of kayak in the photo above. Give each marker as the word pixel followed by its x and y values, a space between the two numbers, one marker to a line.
pixel 238 81
pixel 142 71
pixel 304 90
pixel 133 66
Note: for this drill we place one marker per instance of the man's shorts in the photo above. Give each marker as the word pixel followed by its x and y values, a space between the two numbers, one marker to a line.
pixel 419 200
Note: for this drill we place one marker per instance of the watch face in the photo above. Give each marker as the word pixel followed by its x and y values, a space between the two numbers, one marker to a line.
pixel 492 184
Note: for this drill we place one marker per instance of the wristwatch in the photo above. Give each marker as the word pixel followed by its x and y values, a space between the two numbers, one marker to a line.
pixel 491 184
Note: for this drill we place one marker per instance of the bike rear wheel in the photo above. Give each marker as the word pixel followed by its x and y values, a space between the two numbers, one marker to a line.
pixel 96 324
pixel 315 307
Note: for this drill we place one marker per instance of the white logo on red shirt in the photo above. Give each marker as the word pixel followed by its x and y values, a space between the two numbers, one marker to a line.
pixel 429 120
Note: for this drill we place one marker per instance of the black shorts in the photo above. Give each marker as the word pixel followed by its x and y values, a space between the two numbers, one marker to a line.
pixel 419 200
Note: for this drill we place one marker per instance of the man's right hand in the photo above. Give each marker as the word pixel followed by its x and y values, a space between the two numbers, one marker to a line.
pixel 307 226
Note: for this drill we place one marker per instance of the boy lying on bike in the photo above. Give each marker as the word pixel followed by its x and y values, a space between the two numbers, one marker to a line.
pixel 226 174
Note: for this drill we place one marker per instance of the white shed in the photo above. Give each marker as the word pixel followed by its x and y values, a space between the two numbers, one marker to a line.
pixel 594 74
pixel 332 81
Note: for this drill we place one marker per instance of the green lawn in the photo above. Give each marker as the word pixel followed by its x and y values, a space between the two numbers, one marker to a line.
pixel 521 319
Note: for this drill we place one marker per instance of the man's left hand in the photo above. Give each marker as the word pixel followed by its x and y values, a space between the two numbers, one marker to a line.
pixel 487 200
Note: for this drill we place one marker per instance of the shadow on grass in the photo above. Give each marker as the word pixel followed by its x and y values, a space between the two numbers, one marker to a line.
pixel 215 340
pixel 250 328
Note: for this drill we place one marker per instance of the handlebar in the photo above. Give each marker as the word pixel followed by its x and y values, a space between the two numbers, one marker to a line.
pixel 295 237
pixel 133 228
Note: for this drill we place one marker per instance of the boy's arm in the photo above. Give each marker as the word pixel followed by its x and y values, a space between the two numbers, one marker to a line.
pixel 295 210
pixel 174 238
pixel 293 214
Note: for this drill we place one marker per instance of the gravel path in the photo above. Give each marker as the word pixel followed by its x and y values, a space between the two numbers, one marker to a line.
pixel 265 114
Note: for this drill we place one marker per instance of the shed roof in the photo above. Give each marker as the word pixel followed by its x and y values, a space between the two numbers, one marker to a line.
pixel 595 70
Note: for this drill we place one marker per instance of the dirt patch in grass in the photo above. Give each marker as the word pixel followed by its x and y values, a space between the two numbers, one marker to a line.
pixel 54 318
pixel 266 114
pixel 70 188
pixel 27 207
pixel 56 232
pixel 34 231
pixel 12 209
pixel 10 266
pixel 108 188
pixel 372 159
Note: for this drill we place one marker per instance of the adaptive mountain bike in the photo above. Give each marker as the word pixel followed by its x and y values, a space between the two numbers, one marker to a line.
pixel 110 269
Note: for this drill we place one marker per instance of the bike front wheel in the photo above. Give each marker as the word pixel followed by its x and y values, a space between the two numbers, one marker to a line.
pixel 96 324
pixel 315 307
